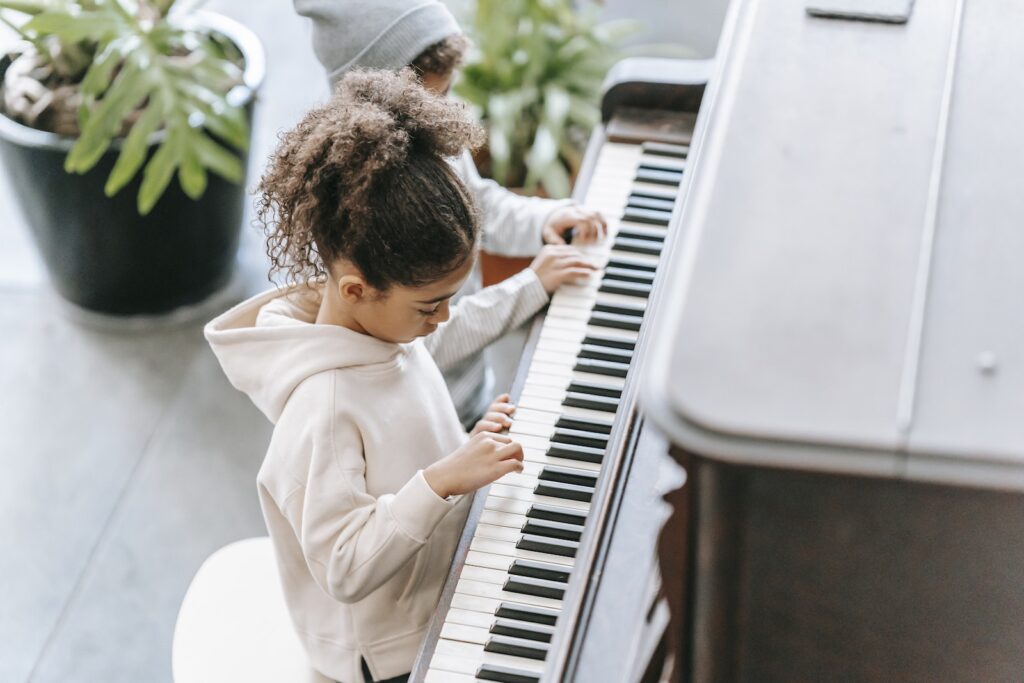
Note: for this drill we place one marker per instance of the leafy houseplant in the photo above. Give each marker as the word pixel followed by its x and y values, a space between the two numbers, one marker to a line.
pixel 125 95
pixel 535 75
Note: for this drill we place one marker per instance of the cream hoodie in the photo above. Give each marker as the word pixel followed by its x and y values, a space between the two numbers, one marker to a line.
pixel 362 542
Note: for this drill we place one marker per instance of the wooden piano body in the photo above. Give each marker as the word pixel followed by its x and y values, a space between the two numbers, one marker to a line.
pixel 841 367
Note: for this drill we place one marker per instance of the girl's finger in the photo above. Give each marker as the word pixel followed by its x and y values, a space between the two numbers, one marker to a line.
pixel 502 439
pixel 513 449
pixel 507 467
pixel 507 408
pixel 489 426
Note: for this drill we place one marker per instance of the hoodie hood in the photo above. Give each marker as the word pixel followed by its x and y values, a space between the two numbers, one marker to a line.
pixel 271 343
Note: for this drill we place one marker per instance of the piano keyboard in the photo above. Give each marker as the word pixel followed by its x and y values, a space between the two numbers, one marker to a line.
pixel 508 597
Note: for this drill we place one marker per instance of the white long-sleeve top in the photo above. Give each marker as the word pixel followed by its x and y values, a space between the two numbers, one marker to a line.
pixel 361 540
pixel 511 225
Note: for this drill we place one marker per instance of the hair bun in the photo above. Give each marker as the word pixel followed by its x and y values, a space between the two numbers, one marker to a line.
pixel 380 117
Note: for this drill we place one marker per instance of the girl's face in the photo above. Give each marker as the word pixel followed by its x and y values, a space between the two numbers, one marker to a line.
pixel 404 313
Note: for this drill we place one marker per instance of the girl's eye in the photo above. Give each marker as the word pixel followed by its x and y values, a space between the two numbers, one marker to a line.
pixel 430 312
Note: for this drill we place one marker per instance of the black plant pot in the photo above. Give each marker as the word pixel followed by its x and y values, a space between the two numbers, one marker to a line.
pixel 100 253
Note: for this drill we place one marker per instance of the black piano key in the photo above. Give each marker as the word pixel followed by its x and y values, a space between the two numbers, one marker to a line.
pixel 551 546
pixel 635 310
pixel 522 629
pixel 667 194
pixel 628 275
pixel 517 647
pixel 527 585
pixel 610 342
pixel 568 475
pixel 586 424
pixel 556 489
pixel 605 353
pixel 641 290
pixel 594 388
pixel 536 615
pixel 628 263
pixel 636 214
pixel 602 367
pixel 542 570
pixel 640 233
pixel 640 201
pixel 665 149
pixel 591 402
pixel 556 514
pixel 505 674
pixel 619 322
pixel 635 246
pixel 571 451
pixel 543 527
pixel 650 175
pixel 579 438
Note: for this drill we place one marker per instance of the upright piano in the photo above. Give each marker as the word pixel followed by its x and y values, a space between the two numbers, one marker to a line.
pixel 522 598
pixel 840 368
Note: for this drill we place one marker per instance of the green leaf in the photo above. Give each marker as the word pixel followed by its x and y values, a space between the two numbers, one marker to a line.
pixel 98 77
pixel 128 90
pixel 136 145
pixel 75 27
pixel 191 174
pixel 219 160
pixel 160 169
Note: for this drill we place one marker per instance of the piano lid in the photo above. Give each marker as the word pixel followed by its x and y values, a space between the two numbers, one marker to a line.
pixel 848 297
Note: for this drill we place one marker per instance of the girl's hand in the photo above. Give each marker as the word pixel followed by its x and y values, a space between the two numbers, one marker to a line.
pixel 486 457
pixel 587 225
pixel 496 419
pixel 556 265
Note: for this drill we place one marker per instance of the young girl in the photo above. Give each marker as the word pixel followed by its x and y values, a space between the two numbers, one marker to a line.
pixel 423 34
pixel 361 487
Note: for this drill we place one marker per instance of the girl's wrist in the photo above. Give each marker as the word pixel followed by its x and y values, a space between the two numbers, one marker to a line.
pixel 436 481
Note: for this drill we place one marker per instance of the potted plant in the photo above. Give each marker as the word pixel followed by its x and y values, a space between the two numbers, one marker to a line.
pixel 535 75
pixel 104 104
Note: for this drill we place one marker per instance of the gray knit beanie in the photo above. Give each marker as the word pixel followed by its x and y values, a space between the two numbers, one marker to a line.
pixel 374 34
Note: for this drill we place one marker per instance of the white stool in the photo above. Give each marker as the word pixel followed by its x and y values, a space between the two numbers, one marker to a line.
pixel 233 624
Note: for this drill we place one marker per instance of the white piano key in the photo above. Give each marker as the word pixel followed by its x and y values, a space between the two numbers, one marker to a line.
pixel 463 633
pixel 562 346
pixel 499 504
pixel 535 416
pixel 490 590
pixel 442 676
pixel 475 654
pixel 470 618
pixel 506 519
pixel 555 333
pixel 506 549
pixel 570 312
pixel 562 380
pixel 528 428
pixel 484 574
pixel 519 493
pixel 546 411
pixel 474 603
pixel 633 256
pixel 498 533
pixel 534 460
pixel 541 391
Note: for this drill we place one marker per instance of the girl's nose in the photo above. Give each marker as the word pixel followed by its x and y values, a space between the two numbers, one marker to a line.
pixel 442 315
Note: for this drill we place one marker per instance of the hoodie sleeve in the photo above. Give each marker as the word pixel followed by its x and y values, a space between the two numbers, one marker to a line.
pixel 352 542
pixel 482 317
pixel 511 224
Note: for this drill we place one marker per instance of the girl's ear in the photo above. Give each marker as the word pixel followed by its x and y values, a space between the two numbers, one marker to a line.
pixel 352 289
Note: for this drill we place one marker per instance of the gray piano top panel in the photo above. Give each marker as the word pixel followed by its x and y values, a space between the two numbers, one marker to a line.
pixel 853 233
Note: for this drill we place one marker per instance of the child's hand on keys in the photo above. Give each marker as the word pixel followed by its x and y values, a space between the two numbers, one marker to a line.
pixel 496 419
pixel 486 457
pixel 556 265
pixel 587 225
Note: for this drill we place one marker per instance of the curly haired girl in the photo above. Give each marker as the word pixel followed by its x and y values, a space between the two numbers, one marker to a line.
pixel 361 486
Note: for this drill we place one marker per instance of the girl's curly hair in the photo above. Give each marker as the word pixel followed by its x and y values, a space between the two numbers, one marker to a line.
pixel 364 178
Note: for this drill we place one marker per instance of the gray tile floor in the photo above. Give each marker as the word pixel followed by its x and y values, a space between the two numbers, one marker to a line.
pixel 127 458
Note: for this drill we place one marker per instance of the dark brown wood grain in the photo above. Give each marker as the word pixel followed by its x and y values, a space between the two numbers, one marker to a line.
pixel 801 576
